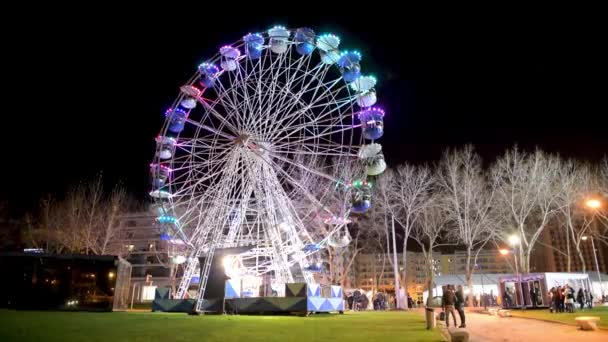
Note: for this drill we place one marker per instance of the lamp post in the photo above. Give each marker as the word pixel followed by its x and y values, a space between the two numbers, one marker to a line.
pixel 595 205
pixel 514 242
pixel 483 291
pixel 395 269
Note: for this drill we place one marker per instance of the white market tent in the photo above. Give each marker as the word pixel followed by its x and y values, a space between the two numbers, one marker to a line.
pixel 490 282
pixel 596 286
pixel 483 283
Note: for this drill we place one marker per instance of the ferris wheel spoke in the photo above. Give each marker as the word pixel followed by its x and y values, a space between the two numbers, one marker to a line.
pixel 293 182
pixel 291 81
pixel 212 170
pixel 212 110
pixel 237 100
pixel 326 152
pixel 205 158
pixel 274 76
pixel 275 73
pixel 243 86
pixel 295 99
pixel 295 115
pixel 324 87
pixel 324 117
pixel 210 129
pixel 314 125
pixel 187 145
pixel 325 133
pixel 327 96
pixel 303 167
pixel 226 96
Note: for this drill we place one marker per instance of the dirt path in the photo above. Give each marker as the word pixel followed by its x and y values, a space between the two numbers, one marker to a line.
pixel 488 328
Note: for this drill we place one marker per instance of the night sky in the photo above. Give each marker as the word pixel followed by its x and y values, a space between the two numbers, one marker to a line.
pixel 88 92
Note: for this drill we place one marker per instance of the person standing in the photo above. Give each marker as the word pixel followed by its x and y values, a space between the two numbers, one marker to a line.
pixel 560 299
pixel 569 294
pixel 552 300
pixel 533 296
pixel 580 298
pixel 449 301
pixel 460 306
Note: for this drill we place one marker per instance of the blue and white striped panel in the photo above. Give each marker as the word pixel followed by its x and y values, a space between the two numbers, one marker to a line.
pixel 336 303
pixel 315 303
pixel 314 290
pixel 336 291
pixel 232 289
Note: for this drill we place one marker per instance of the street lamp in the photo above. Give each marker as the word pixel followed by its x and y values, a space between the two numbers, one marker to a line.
pixel 595 204
pixel 514 240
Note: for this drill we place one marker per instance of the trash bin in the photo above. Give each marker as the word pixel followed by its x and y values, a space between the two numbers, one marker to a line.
pixel 431 323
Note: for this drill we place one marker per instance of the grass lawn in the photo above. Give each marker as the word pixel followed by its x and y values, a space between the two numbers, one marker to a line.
pixel 132 326
pixel 602 312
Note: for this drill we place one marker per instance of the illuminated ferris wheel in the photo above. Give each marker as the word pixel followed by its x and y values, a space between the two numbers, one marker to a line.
pixel 246 141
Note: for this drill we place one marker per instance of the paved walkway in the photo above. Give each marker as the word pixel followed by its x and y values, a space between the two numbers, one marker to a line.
pixel 486 328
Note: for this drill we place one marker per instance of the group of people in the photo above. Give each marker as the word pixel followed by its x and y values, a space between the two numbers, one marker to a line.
pixel 453 300
pixel 484 300
pixel 563 298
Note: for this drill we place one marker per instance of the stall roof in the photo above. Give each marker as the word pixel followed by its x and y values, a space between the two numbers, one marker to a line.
pixel 460 279
pixel 593 276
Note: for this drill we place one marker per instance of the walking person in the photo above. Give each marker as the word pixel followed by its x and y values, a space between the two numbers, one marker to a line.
pixel 449 301
pixel 460 306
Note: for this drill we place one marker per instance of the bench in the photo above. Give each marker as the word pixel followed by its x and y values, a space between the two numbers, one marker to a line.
pixel 458 335
pixel 504 313
pixel 587 322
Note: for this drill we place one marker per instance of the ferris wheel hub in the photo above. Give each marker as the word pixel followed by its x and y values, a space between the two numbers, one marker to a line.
pixel 243 139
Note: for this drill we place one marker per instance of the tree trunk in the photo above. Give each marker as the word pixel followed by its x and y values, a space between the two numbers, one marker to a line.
pixel 406 305
pixel 569 268
pixel 431 277
pixel 469 279
pixel 526 266
pixel 580 255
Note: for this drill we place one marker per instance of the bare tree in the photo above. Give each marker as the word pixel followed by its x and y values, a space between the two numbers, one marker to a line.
pixel 575 183
pixel 430 233
pixel 405 197
pixel 376 239
pixel 114 207
pixel 84 221
pixel 468 197
pixel 600 228
pixel 319 199
pixel 526 196
pixel 384 207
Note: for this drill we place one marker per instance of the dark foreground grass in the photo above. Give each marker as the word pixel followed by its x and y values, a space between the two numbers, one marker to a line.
pixel 122 326
pixel 567 318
